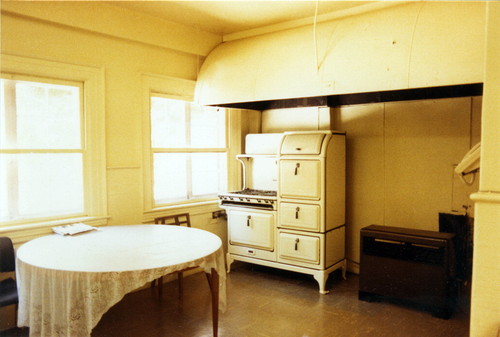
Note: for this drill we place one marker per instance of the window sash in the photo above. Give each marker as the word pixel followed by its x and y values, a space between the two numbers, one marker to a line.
pixel 175 123
pixel 54 189
pixel 189 150
pixel 33 194
pixel 188 194
pixel 33 206
pixel 13 110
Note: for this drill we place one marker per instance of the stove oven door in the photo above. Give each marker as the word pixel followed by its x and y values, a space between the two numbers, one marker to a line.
pixel 251 228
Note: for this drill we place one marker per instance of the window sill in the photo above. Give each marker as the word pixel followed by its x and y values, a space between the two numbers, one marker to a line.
pixel 24 232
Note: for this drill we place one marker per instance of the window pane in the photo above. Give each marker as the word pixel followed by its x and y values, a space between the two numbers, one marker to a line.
pixel 181 124
pixel 39 116
pixel 208 173
pixel 184 176
pixel 168 123
pixel 170 177
pixel 40 185
pixel 208 127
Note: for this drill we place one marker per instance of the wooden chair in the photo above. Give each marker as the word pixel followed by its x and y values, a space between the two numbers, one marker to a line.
pixel 8 287
pixel 173 220
pixel 176 219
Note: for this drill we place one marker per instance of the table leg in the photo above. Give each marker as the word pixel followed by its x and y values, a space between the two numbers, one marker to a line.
pixel 214 289
pixel 160 288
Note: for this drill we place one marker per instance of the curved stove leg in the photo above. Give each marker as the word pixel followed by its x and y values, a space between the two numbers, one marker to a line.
pixel 229 261
pixel 321 277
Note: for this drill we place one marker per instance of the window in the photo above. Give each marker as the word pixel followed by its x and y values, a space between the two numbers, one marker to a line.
pixel 189 151
pixel 52 146
pixel 41 159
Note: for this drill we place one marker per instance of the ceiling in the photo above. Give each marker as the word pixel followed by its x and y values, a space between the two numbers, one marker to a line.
pixel 229 17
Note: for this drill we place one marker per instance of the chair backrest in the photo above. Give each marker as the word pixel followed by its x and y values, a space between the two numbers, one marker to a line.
pixel 7 255
pixel 176 220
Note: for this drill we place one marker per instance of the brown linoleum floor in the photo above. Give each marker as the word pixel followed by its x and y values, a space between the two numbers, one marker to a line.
pixel 264 302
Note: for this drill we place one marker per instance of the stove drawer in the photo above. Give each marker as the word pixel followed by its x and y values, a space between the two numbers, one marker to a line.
pixel 299 248
pixel 252 252
pixel 299 216
pixel 251 228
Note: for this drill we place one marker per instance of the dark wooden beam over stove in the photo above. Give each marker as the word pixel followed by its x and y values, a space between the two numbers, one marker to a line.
pixel 450 91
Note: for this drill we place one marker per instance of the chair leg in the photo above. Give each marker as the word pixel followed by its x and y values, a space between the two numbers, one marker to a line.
pixel 180 280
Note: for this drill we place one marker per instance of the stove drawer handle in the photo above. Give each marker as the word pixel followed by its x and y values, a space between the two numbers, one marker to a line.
pixel 248 220
pixel 297 243
pixel 297 168
pixel 297 212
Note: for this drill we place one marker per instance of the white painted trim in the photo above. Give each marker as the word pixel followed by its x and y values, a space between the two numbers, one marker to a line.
pixel 489 197
pixel 23 233
pixel 116 22
pixel 353 267
pixel 310 20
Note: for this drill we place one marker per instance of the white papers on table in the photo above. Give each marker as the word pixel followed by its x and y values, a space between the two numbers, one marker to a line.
pixel 73 229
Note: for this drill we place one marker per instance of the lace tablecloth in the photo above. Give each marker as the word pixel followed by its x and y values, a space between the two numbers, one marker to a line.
pixel 66 283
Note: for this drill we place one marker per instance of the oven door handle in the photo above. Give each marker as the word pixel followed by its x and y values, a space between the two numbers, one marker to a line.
pixel 248 220
pixel 297 165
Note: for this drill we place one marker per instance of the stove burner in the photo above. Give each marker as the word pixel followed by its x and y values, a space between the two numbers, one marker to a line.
pixel 249 191
pixel 249 198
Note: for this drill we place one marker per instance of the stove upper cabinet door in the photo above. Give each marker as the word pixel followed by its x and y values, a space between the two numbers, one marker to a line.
pixel 302 144
pixel 251 228
pixel 300 179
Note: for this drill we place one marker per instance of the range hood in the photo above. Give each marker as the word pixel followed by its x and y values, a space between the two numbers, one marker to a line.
pixel 416 45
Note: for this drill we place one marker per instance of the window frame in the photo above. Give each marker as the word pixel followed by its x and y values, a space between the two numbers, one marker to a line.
pixel 187 150
pixel 180 89
pixel 93 141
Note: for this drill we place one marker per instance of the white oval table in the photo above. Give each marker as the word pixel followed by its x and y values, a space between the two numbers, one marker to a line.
pixel 66 283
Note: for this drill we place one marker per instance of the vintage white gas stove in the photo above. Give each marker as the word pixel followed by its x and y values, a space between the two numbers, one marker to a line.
pixel 291 212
